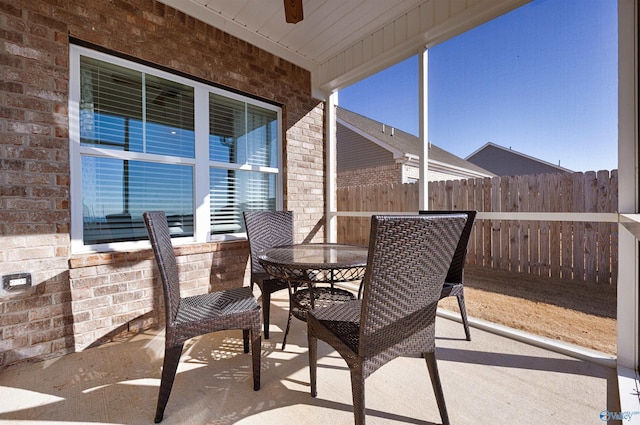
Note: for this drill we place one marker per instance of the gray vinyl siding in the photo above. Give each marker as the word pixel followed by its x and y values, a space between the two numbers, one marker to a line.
pixel 355 152
pixel 505 163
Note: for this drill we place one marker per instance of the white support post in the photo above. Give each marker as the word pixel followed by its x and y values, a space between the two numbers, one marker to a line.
pixel 628 291
pixel 628 349
pixel 331 232
pixel 423 100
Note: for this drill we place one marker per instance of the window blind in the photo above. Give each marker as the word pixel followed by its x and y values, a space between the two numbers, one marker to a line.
pixel 136 151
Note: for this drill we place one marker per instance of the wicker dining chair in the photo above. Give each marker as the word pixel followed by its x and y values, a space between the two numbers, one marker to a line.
pixel 454 282
pixel 408 259
pixel 266 229
pixel 197 315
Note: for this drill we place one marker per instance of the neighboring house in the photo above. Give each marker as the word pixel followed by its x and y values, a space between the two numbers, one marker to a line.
pixel 507 162
pixel 370 152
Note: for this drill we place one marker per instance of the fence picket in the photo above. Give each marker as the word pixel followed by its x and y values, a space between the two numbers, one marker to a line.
pixel 553 187
pixel 535 204
pixel 613 206
pixel 496 235
pixel 603 229
pixel 512 205
pixel 590 248
pixel 524 237
pixel 566 261
pixel 578 227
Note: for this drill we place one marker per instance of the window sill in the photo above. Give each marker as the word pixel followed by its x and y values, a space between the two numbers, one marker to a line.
pixel 105 258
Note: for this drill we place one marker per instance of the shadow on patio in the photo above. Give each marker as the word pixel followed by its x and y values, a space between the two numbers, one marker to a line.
pixel 491 379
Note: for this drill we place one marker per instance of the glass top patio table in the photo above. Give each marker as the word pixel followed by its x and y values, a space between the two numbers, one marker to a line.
pixel 316 262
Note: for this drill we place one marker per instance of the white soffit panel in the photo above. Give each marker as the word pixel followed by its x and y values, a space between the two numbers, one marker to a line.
pixel 341 42
pixel 429 23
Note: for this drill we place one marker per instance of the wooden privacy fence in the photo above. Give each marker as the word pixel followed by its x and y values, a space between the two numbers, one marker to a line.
pixel 574 250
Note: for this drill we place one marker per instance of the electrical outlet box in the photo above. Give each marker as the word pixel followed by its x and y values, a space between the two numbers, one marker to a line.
pixel 16 282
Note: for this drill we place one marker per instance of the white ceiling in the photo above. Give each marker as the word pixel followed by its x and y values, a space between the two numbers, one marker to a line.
pixel 343 41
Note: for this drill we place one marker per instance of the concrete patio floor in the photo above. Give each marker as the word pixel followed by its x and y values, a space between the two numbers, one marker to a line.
pixel 490 380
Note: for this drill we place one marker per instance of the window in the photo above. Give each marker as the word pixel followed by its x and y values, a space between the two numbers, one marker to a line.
pixel 143 139
pixel 237 135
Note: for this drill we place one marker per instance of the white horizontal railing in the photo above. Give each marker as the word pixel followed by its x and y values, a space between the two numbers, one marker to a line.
pixel 515 216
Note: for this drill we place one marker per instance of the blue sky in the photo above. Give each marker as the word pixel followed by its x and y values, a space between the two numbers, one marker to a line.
pixel 541 80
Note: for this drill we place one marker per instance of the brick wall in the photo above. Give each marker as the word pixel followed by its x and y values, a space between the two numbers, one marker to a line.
pixel 305 189
pixel 412 174
pixel 389 174
pixel 118 292
pixel 374 175
pixel 80 300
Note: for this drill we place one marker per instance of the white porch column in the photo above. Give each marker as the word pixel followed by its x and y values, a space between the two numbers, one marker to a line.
pixel 628 200
pixel 331 232
pixel 423 114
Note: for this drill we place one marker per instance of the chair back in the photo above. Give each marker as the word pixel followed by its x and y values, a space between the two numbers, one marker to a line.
pixel 266 229
pixel 408 259
pixel 456 270
pixel 160 238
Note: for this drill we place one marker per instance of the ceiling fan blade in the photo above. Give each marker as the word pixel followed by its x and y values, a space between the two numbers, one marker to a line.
pixel 293 11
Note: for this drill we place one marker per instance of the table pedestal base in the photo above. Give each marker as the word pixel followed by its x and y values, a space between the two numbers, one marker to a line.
pixel 300 302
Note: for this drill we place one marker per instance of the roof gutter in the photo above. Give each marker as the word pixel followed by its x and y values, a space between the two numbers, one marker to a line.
pixel 464 171
pixel 414 161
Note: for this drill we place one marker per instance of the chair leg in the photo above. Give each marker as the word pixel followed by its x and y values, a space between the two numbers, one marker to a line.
pixel 432 365
pixel 313 362
pixel 245 340
pixel 286 331
pixel 357 394
pixel 463 313
pixel 266 311
pixel 169 367
pixel 256 351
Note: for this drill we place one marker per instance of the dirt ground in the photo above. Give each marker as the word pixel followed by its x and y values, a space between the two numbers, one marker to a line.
pixel 575 312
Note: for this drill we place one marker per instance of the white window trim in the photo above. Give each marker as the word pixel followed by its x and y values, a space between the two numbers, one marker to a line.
pixel 201 161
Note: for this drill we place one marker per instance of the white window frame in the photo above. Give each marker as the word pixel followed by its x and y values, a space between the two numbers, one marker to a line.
pixel 200 163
